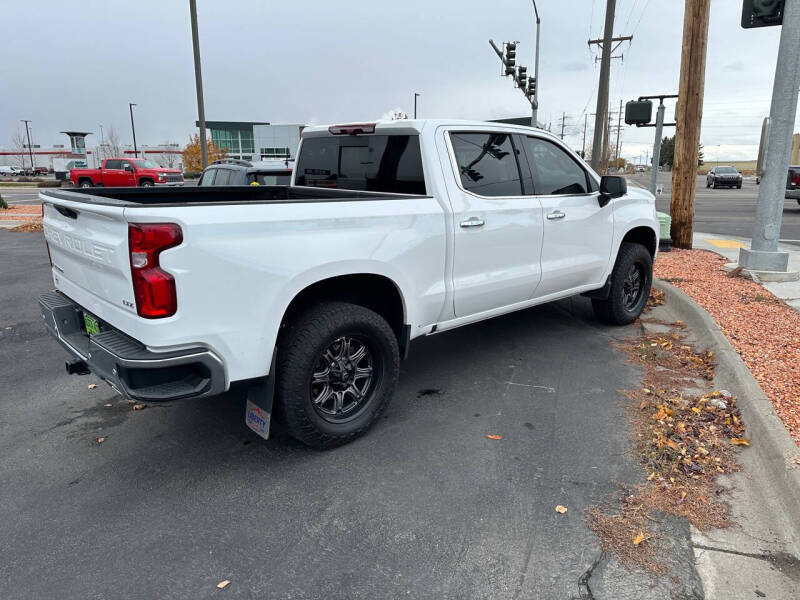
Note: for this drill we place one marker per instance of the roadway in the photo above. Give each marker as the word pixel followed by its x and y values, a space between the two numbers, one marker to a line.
pixel 726 211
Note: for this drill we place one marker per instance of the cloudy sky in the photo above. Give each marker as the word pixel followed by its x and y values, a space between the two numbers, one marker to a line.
pixel 76 65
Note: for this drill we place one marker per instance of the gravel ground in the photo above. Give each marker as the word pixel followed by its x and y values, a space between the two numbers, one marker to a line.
pixel 17 212
pixel 762 329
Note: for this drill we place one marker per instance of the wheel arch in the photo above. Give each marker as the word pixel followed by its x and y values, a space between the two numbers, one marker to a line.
pixel 374 291
pixel 143 179
pixel 644 235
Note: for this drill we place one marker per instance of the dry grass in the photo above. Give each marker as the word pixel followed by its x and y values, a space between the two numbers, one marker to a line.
pixel 684 436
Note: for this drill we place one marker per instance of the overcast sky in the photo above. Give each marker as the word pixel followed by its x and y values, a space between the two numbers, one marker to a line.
pixel 76 65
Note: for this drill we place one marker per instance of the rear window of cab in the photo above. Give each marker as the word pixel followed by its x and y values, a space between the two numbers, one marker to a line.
pixel 374 163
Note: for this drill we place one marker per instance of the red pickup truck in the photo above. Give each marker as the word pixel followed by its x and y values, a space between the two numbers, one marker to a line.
pixel 126 172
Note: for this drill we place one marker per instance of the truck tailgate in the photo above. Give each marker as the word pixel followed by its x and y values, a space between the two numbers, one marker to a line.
pixel 89 250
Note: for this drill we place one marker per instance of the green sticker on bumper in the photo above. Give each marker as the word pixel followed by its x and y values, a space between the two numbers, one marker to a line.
pixel 92 326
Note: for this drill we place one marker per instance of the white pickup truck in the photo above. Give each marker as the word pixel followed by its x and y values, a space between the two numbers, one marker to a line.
pixel 312 292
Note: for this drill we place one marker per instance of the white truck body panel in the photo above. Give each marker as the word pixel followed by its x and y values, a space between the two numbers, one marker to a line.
pixel 240 265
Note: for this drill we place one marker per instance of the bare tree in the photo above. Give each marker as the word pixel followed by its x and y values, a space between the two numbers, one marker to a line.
pixel 169 159
pixel 18 146
pixel 112 143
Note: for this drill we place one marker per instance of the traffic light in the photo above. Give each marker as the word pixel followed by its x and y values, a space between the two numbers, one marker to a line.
pixel 638 112
pixel 510 59
pixel 522 77
pixel 530 92
pixel 762 13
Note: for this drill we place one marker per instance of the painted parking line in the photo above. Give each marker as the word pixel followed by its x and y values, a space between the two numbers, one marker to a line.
pixel 720 243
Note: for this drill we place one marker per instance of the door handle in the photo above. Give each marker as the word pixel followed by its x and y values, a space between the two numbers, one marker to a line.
pixel 473 222
pixel 556 215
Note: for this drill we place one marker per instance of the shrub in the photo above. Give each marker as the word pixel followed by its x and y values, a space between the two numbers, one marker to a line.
pixel 3 203
pixel 48 184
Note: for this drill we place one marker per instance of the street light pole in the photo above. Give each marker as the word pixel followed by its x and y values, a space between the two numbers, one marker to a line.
pixel 133 129
pixel 416 95
pixel 30 146
pixel 535 103
pixel 198 81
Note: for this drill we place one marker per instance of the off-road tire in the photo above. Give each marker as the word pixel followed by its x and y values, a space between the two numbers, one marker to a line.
pixel 145 183
pixel 85 183
pixel 613 310
pixel 303 342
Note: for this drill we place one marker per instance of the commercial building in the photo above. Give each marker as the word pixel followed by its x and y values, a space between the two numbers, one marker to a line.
pixel 253 140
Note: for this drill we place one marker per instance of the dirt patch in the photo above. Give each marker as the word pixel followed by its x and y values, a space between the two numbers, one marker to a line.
pixel 685 435
pixel 763 330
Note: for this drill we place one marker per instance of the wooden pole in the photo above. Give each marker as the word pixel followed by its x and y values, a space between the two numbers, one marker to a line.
pixel 690 115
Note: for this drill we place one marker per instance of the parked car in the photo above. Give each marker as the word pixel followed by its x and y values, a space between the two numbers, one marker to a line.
pixel 6 171
pixel 793 183
pixel 311 293
pixel 126 172
pixel 724 176
pixel 228 171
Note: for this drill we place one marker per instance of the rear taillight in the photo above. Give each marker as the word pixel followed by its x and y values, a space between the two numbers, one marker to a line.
pixel 153 288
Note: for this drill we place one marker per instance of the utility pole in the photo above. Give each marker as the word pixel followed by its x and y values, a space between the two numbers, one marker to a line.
pixel 535 100
pixel 198 81
pixel 690 114
pixel 30 146
pixel 619 128
pixel 583 148
pixel 416 95
pixel 763 254
pixel 563 121
pixel 133 129
pixel 602 90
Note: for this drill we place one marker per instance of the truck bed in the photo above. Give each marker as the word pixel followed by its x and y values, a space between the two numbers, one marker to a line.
pixel 188 196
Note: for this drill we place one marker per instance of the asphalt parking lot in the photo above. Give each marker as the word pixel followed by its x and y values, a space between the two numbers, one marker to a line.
pixel 181 496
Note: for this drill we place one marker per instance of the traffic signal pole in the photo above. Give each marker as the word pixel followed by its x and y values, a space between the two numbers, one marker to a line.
pixel 657 147
pixel 535 100
pixel 763 254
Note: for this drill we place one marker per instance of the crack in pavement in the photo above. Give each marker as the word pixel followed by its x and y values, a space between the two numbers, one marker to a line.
pixel 583 581
pixel 786 563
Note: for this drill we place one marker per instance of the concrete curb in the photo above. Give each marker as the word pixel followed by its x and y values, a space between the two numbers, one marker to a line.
pixel 773 447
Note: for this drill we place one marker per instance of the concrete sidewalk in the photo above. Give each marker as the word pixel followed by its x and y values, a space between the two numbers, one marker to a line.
pixel 728 246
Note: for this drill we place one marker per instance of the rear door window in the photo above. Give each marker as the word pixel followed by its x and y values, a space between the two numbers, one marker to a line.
pixel 207 178
pixel 223 177
pixel 487 163
pixel 113 164
pixel 375 163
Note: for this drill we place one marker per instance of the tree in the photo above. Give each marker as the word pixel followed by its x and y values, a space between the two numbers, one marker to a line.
pixel 18 146
pixel 168 159
pixel 667 151
pixel 193 155
pixel 113 148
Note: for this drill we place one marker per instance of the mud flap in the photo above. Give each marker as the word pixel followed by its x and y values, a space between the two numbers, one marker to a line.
pixel 260 395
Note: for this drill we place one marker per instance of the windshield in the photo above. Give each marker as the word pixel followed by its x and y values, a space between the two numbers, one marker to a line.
pixel 146 164
pixel 726 170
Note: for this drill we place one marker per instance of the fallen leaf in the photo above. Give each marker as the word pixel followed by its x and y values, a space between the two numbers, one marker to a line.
pixel 107 404
pixel 92 386
pixel 493 436
pixel 651 476
pixel 139 406
pixel 645 390
pixel 223 584
pixel 740 441
pixel 561 509
pixel 638 538
pixel 100 440
pixel 797 460
pixel 683 497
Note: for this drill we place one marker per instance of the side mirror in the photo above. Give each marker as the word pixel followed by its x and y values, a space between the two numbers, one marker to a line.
pixel 611 186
